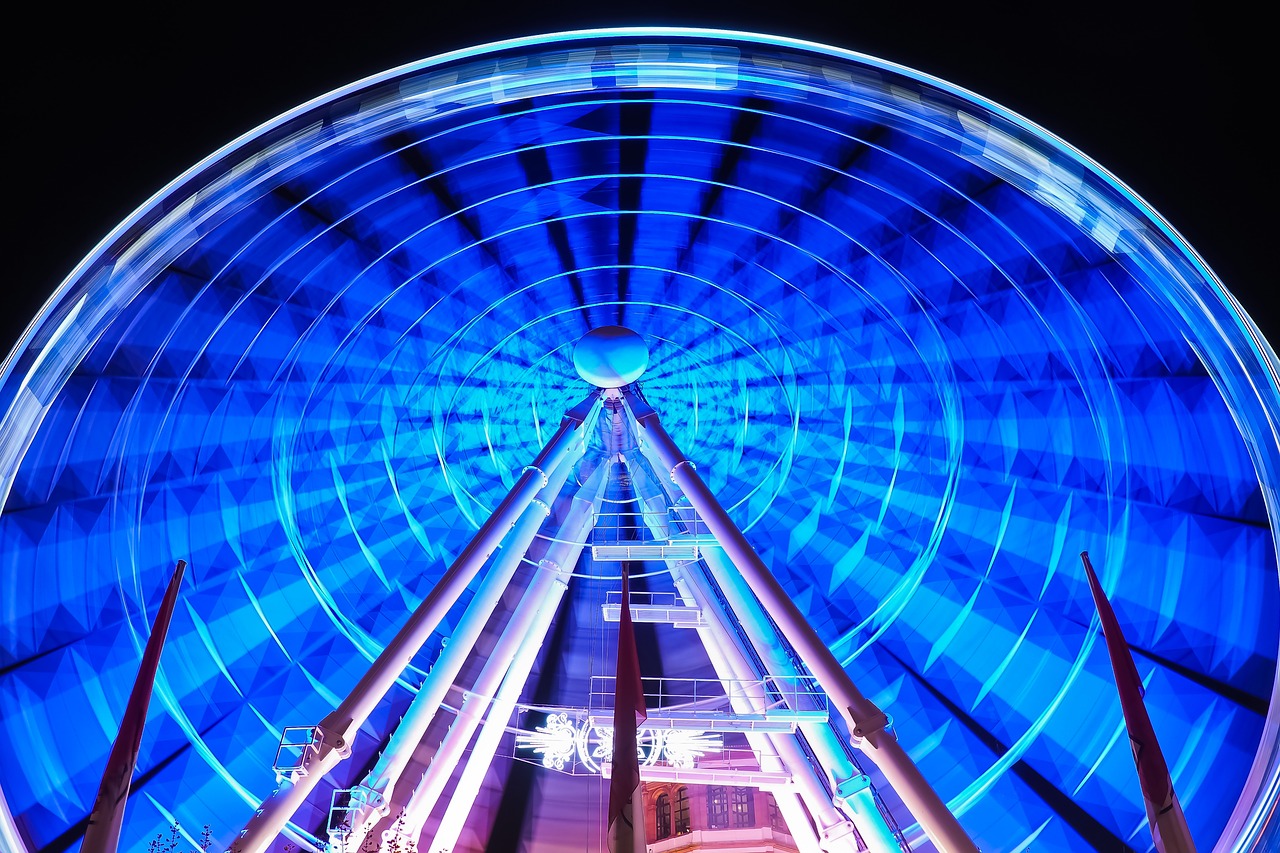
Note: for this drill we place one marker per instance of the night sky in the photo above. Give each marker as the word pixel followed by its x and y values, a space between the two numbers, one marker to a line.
pixel 105 108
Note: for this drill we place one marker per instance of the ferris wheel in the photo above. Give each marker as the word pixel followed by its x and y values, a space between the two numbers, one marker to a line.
pixel 921 352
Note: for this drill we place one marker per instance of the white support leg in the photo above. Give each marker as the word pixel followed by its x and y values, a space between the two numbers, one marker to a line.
pixel 381 780
pixel 744 611
pixel 822 738
pixel 865 720
pixel 731 663
pixel 857 798
pixel 338 728
pixel 777 752
pixel 505 674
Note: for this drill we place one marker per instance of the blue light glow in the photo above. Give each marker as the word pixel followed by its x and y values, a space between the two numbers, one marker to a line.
pixel 924 352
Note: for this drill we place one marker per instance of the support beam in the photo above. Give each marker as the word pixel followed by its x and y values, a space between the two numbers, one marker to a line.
pixel 806 802
pixel 777 752
pixel 740 608
pixel 381 780
pixel 821 737
pixel 503 677
pixel 866 721
pixel 336 730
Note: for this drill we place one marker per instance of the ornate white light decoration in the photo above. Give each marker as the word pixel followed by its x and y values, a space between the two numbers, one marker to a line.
pixel 562 743
pixel 554 741
pixel 603 751
pixel 682 749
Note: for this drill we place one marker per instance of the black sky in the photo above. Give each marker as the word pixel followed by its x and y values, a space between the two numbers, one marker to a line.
pixel 105 107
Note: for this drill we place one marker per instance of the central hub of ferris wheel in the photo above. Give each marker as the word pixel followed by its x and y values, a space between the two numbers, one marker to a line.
pixel 611 356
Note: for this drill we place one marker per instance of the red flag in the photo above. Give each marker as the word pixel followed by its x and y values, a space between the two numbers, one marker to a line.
pixel 626 826
pixel 1164 814
pixel 103 832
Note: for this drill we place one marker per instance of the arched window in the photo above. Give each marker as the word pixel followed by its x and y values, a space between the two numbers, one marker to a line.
pixel 682 811
pixel 663 809
pixel 742 807
pixel 717 807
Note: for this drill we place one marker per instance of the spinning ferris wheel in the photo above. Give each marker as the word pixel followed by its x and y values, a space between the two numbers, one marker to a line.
pixel 922 352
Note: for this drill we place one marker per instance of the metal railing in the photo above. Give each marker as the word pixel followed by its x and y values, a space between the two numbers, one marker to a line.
pixel 297 745
pixel 610 527
pixel 613 598
pixel 669 524
pixel 799 693
pixel 342 805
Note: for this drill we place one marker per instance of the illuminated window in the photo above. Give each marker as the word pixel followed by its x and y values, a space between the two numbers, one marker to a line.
pixel 682 811
pixel 717 807
pixel 742 807
pixel 663 809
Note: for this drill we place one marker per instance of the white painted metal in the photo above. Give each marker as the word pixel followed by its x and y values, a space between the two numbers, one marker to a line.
pixel 746 613
pixel 677 616
pixel 775 781
pixel 808 801
pixel 866 721
pixel 778 720
pixel 857 797
pixel 504 674
pixel 340 726
pixel 381 780
pixel 644 551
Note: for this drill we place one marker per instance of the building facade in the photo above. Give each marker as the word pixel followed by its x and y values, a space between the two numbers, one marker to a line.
pixel 682 817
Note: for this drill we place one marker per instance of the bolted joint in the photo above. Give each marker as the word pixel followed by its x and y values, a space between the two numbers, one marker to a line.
pixel 541 473
pixel 333 740
pixel 379 803
pixel 332 733
pixel 878 722
pixel 850 787
pixel 832 835
pixel 680 464
pixel 398 837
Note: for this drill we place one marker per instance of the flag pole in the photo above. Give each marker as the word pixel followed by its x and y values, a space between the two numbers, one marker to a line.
pixel 626 801
pixel 1164 813
pixel 102 835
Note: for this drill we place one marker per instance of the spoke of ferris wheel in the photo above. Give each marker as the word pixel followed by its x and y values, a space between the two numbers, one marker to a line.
pixel 740 607
pixel 866 722
pixel 385 774
pixel 778 752
pixel 335 732
pixel 503 679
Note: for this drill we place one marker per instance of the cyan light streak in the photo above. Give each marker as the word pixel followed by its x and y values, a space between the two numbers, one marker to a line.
pixel 921 348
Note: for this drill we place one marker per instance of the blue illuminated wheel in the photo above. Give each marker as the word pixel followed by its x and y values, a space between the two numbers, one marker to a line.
pixel 925 352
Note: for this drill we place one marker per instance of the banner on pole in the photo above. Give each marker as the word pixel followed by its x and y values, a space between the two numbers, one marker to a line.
pixel 626 803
